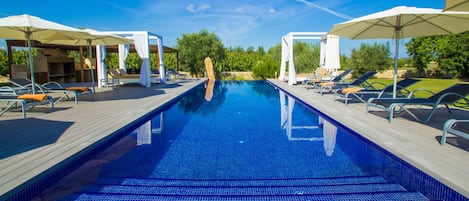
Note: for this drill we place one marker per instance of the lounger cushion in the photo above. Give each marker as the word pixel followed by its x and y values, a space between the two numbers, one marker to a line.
pixel 325 84
pixel 36 97
pixel 351 90
pixel 82 89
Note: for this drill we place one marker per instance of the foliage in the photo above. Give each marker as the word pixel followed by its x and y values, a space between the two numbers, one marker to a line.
pixel 306 56
pixel 370 57
pixel 195 47
pixel 133 62
pixel 170 61
pixel 265 68
pixel 421 50
pixel 21 56
pixel 453 54
pixel 450 52
pixel 3 62
pixel 112 60
pixel 239 60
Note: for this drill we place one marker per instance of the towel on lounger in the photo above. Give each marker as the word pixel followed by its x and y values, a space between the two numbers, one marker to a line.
pixel 37 97
pixel 82 89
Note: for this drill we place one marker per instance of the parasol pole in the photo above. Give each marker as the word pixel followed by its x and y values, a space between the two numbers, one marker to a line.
pixel 31 66
pixel 396 54
pixel 91 63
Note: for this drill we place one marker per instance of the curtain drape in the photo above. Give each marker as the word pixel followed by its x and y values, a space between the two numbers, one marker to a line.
pixel 123 52
pixel 141 46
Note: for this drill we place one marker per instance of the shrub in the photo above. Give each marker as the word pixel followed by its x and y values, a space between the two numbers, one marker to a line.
pixel 264 69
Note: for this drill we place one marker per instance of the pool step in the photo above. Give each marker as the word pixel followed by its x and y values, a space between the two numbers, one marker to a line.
pixel 240 182
pixel 353 188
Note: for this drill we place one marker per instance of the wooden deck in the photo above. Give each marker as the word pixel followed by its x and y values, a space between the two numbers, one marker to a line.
pixel 32 146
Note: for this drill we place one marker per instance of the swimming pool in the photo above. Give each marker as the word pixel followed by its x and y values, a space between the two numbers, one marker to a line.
pixel 253 138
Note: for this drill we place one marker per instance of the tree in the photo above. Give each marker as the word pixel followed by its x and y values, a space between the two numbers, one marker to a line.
pixel 195 47
pixel 450 52
pixel 306 56
pixel 453 54
pixel 370 57
pixel 421 50
pixel 265 68
pixel 3 62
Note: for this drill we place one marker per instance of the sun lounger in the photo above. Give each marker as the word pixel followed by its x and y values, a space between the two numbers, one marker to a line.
pixel 25 101
pixel 314 81
pixel 363 94
pixel 359 82
pixel 123 77
pixel 449 127
pixel 57 87
pixel 445 97
pixel 23 85
pixel 173 74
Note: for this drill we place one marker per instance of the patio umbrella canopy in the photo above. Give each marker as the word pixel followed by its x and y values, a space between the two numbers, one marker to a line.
pixel 94 38
pixel 456 5
pixel 403 22
pixel 27 27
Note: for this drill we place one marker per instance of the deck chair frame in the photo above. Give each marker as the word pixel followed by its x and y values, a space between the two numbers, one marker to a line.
pixel 365 94
pixel 12 102
pixel 23 84
pixel 396 106
pixel 360 81
pixel 448 127
pixel 338 79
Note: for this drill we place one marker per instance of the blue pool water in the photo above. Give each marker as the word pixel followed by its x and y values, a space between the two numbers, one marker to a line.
pixel 251 131
pixel 239 134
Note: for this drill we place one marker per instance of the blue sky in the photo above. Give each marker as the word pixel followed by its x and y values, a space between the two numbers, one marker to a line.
pixel 241 23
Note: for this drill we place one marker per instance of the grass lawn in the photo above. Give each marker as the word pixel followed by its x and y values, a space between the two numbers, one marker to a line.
pixel 433 85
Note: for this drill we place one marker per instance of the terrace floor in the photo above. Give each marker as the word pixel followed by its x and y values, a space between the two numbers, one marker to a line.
pixel 32 146
pixel 412 141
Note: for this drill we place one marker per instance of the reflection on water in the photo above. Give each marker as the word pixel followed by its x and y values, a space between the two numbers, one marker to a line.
pixel 207 99
pixel 209 90
pixel 321 130
pixel 153 126
pixel 329 135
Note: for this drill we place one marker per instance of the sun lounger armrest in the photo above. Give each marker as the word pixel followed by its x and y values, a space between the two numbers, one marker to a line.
pixel 7 90
pixel 52 85
pixel 448 128
pixel 459 96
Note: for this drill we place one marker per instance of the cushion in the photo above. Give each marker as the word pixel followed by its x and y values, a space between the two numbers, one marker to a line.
pixel 351 90
pixel 36 97
pixel 327 84
pixel 82 89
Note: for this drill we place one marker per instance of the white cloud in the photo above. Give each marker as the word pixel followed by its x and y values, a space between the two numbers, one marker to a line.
pixel 310 4
pixel 190 8
pixel 204 7
pixel 272 10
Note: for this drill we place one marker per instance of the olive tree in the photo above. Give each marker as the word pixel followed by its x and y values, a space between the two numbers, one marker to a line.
pixel 195 47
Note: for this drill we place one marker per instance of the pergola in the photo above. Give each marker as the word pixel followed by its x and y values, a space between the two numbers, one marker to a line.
pixel 142 47
pixel 329 55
